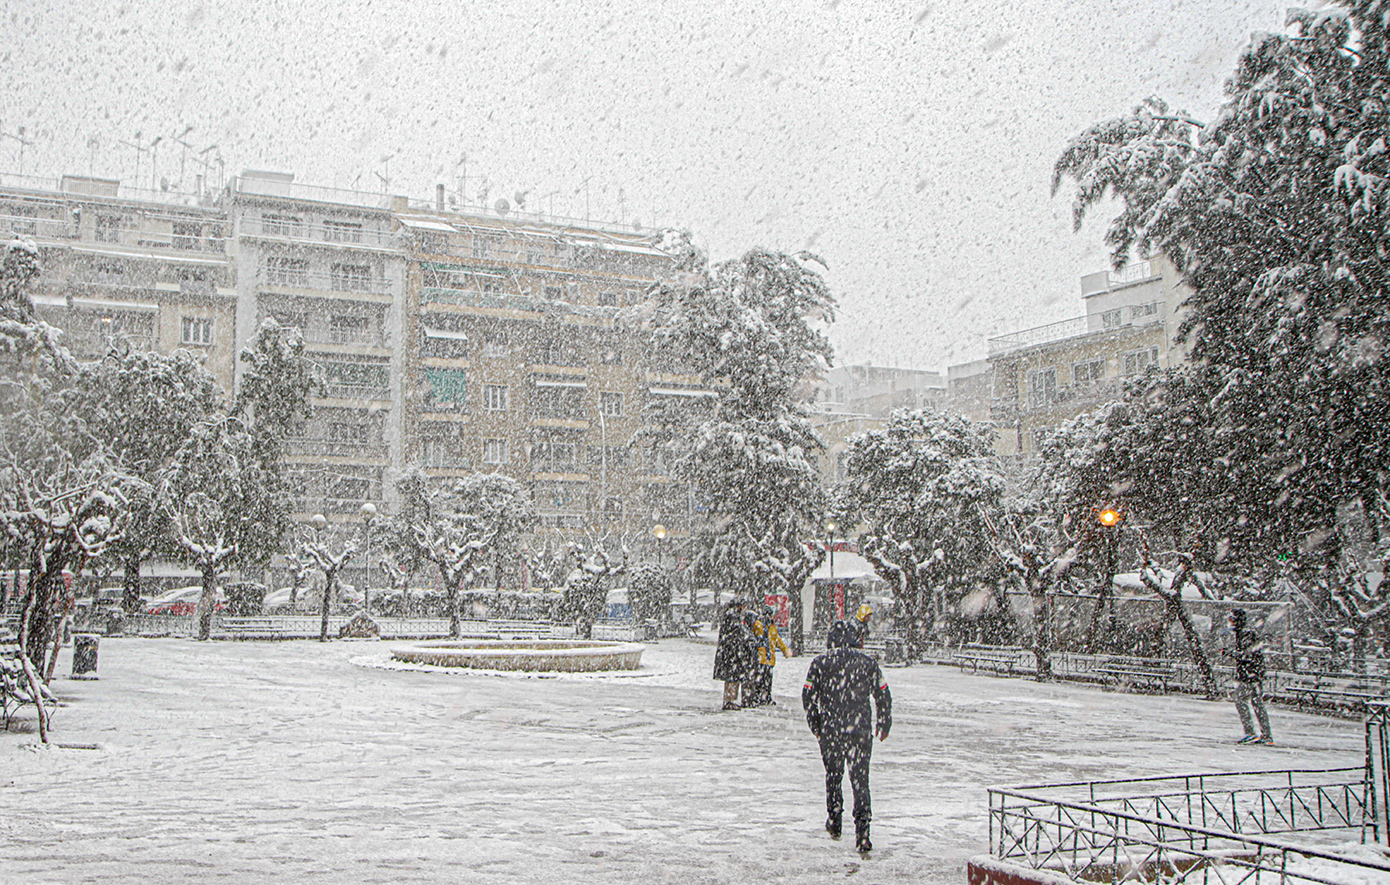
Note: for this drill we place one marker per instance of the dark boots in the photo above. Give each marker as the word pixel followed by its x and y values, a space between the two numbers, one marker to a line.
pixel 832 826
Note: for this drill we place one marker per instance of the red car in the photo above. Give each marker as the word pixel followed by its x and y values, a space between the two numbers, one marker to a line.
pixel 183 601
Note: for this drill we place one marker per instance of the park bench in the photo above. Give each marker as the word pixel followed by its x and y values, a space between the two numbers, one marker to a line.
pixel 1337 690
pixel 254 627
pixel 1005 660
pixel 497 628
pixel 14 686
pixel 1143 674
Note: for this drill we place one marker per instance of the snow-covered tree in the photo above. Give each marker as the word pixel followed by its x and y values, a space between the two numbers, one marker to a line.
pixel 1041 555
pixel 319 550
pixel 460 529
pixel 1170 591
pixel 586 587
pixel 141 407
pixel 921 486
pixel 1275 213
pixel 649 593
pixel 751 328
pixel 223 504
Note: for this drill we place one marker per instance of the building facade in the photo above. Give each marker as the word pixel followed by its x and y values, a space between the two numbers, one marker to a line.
pixel 1044 376
pixel 452 342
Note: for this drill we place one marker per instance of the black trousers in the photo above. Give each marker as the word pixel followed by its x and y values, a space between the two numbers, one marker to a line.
pixel 839 751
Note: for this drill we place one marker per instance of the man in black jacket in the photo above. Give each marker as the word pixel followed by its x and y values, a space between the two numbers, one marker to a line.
pixel 836 696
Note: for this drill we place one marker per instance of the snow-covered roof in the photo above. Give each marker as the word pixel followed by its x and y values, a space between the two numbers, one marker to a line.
pixel 425 224
pixel 846 565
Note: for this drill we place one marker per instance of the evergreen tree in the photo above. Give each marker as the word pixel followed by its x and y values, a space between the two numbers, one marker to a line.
pixel 1276 214
pixel 752 329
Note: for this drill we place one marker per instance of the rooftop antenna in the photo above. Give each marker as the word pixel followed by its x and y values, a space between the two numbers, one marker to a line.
pixel 585 184
pixel 183 158
pixel 23 143
pixel 139 149
pixel 93 142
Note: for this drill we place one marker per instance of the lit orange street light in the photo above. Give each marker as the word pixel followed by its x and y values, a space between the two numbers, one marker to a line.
pixel 1109 517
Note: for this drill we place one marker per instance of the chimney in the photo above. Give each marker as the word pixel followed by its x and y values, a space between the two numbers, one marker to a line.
pixel 439 197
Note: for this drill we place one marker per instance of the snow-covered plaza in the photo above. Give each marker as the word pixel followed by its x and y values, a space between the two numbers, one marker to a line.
pixel 301 762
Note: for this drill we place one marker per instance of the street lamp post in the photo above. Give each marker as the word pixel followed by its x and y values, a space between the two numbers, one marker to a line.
pixel 1109 519
pixel 329 565
pixel 368 511
pixel 830 587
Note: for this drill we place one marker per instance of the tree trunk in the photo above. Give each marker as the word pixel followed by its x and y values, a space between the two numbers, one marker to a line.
pixel 330 577
pixel 130 588
pixel 30 676
pixel 797 615
pixel 451 602
pixel 57 645
pixel 1042 632
pixel 206 602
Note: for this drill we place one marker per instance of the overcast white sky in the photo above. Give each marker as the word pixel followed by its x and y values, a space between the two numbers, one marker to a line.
pixel 909 144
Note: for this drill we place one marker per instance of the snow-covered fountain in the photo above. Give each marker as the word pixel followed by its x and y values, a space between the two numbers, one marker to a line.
pixel 540 655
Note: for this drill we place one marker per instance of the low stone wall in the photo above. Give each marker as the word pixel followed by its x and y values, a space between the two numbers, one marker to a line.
pixel 540 655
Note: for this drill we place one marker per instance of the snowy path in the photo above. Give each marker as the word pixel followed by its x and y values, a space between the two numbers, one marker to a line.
pixel 298 762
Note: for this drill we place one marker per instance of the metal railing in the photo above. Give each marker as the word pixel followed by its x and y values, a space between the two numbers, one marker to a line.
pixel 1196 828
pixel 291 278
pixel 337 235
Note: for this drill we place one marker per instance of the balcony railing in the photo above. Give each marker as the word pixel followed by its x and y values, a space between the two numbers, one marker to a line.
pixel 126 235
pixel 283 278
pixel 356 391
pixel 337 447
pixel 1037 335
pixel 476 298
pixel 337 235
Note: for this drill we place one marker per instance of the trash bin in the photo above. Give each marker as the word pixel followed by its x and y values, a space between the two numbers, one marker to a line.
pixel 84 656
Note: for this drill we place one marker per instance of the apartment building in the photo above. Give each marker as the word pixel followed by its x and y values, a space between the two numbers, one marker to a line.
pixel 147 266
pixel 855 398
pixel 452 341
pixel 1048 374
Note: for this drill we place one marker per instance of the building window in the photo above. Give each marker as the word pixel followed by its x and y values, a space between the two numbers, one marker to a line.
pixel 342 231
pixel 1087 373
pixel 356 380
pixel 187 234
pixel 559 402
pixel 553 293
pixel 495 397
pixel 280 225
pixel 284 271
pixel 562 352
pixel 610 404
pixel 197 330
pixel 347 329
pixel 444 389
pixel 610 349
pixel 291 319
pixel 608 299
pixel 549 456
pixel 351 277
pixel 480 247
pixel 1137 361
pixel 494 451
pixel 1112 319
pixel 611 456
pixel 1143 310
pixel 1042 387
pixel 348 432
pixel 108 229
pixel 495 344
pixel 442 445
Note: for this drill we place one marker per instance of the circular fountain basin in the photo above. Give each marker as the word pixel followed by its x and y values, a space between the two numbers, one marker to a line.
pixel 543 655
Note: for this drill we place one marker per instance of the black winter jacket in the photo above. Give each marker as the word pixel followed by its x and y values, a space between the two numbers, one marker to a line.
pixel 839 685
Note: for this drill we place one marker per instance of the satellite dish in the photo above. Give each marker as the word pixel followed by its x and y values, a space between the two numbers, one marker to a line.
pixel 502 207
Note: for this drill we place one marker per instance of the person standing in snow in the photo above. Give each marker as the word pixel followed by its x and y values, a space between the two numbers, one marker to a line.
pixel 765 630
pixel 836 697
pixel 733 658
pixel 861 623
pixel 1250 674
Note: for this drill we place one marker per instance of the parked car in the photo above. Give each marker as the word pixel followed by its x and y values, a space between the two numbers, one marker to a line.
pixel 183 601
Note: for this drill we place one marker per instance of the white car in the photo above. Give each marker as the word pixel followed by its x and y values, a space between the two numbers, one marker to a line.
pixel 182 601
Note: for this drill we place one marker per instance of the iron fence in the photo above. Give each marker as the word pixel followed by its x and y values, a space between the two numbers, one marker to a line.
pixel 1249 827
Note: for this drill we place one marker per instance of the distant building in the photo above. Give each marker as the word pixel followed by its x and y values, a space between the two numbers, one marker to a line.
pixel 852 399
pixel 1046 375
pixel 452 341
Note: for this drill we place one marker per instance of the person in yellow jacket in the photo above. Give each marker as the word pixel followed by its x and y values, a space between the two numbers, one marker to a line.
pixel 765 629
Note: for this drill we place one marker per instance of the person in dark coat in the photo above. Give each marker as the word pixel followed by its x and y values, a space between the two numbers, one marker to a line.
pixel 733 656
pixel 836 696
pixel 1250 674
